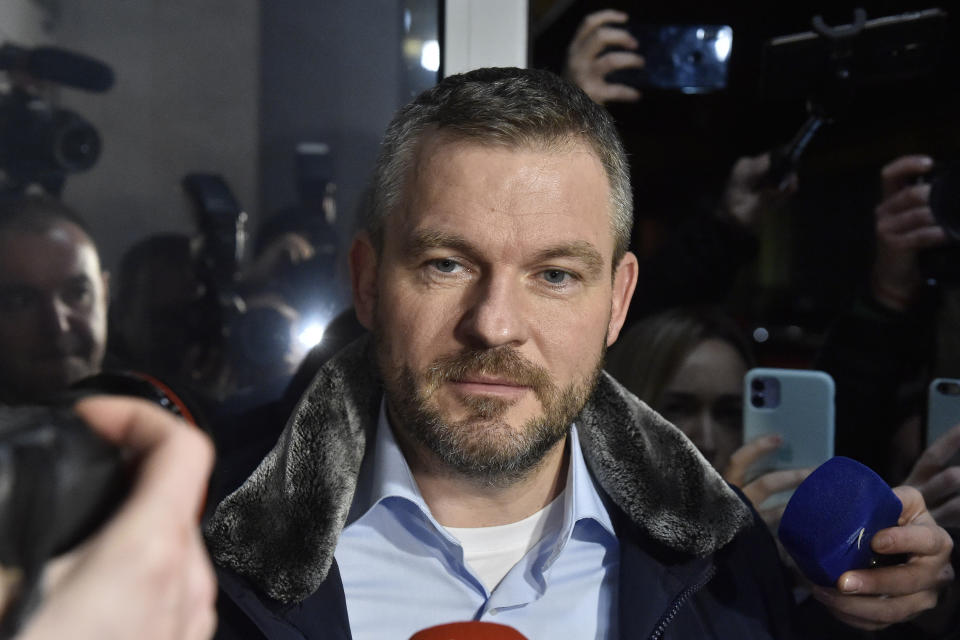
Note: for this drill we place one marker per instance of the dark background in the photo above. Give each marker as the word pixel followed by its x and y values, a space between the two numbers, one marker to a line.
pixel 815 254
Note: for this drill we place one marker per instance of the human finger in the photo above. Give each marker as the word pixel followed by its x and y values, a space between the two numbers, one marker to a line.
pixel 901 171
pixel 747 455
pixel 948 513
pixel 616 60
pixel 935 457
pixel 597 19
pixel 603 38
pixel 910 197
pixel 872 613
pixel 772 515
pixel 175 459
pixel 941 486
pixel 906 220
pixel 199 593
pixel 750 169
pixel 774 482
pixel 915 239
pixel 605 93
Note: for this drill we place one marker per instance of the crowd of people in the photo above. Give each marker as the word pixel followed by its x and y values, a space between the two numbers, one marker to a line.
pixel 463 445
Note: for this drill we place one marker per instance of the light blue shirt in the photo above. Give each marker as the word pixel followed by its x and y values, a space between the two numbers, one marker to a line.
pixel 402 571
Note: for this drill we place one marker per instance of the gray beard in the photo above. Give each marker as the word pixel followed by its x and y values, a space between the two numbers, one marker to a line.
pixel 483 447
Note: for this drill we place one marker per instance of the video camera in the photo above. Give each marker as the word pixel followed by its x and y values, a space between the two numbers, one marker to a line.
pixel 39 142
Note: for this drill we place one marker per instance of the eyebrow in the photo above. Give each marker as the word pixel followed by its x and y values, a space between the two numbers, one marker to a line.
pixel 580 250
pixel 425 240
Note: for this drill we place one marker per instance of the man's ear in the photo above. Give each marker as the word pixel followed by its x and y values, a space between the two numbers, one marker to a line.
pixel 624 282
pixel 363 278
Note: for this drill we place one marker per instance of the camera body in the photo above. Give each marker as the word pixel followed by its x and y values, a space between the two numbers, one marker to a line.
pixel 42 143
pixel 942 264
pixel 58 482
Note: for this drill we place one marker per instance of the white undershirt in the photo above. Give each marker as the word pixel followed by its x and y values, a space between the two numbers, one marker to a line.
pixel 492 551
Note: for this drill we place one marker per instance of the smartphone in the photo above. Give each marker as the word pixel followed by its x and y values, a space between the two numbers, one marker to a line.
pixel 798 405
pixel 943 410
pixel 689 58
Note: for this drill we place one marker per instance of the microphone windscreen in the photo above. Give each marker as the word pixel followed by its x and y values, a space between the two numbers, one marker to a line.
pixel 68 68
pixel 830 520
pixel 469 631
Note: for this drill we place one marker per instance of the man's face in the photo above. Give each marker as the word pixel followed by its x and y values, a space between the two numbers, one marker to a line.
pixel 493 300
pixel 52 310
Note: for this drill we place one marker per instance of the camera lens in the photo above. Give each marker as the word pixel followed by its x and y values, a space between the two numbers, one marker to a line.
pixel 756 400
pixel 757 384
pixel 76 144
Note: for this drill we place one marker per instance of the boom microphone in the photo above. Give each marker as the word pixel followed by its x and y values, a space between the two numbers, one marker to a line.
pixel 469 631
pixel 57 65
pixel 830 520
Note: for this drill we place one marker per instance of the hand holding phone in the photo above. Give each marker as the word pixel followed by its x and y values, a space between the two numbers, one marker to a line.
pixel 934 473
pixel 758 489
pixel 796 405
pixel 685 58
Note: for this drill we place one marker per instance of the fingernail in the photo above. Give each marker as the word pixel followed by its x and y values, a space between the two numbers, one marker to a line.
pixel 850 584
pixel 881 542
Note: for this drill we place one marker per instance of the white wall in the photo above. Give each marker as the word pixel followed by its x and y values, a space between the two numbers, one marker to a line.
pixel 484 33
pixel 21 22
pixel 186 99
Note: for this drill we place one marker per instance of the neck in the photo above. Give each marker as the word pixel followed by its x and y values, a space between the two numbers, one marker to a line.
pixel 456 500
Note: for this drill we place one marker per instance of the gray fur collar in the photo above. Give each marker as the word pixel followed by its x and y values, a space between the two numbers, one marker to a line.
pixel 281 527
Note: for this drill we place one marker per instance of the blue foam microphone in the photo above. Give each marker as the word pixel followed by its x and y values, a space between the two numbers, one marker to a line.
pixel 830 520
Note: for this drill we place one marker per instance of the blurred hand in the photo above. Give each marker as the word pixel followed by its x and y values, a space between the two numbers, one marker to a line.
pixel 746 195
pixel 283 251
pixel 587 65
pixel 764 486
pixel 876 598
pixel 904 226
pixel 937 482
pixel 146 573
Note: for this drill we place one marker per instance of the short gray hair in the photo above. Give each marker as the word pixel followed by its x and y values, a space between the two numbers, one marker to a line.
pixel 505 106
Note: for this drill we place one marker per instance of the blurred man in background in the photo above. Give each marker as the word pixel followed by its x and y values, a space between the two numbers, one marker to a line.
pixel 53 300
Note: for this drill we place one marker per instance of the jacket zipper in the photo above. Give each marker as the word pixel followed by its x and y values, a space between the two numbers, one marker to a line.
pixel 679 601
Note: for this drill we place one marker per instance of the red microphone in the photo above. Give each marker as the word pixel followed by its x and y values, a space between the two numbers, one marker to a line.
pixel 469 631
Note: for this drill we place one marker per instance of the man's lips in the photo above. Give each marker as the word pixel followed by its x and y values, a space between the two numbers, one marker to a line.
pixel 489 385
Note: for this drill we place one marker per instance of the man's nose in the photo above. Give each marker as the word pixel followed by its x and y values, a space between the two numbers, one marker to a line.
pixel 55 316
pixel 495 315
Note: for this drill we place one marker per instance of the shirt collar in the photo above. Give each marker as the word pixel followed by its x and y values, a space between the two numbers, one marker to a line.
pixel 388 476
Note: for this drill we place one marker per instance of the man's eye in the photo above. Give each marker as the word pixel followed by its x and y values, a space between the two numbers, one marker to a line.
pixel 445 265
pixel 78 295
pixel 556 276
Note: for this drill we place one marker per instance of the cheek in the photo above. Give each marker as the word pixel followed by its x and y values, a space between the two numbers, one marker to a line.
pixel 415 329
pixel 573 341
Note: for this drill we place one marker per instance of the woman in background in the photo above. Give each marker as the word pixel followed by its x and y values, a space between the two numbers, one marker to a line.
pixel 688 364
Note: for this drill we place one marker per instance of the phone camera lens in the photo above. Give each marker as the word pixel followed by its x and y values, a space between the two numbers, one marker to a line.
pixel 756 399
pixel 757 384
